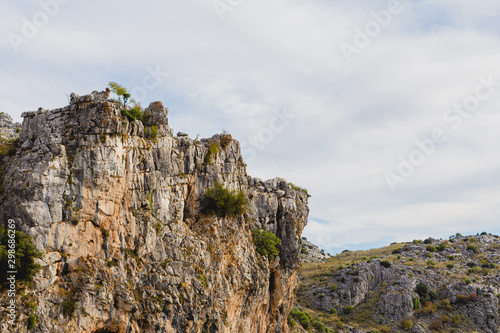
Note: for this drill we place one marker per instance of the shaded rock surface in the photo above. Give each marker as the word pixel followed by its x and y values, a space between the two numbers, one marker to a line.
pixel 115 206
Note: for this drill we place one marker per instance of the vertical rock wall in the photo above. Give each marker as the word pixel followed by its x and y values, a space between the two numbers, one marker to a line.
pixel 115 206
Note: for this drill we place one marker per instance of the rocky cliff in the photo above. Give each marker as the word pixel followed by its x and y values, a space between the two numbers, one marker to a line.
pixel 114 204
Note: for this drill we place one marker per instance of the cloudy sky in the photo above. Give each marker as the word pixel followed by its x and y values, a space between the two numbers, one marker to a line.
pixel 386 111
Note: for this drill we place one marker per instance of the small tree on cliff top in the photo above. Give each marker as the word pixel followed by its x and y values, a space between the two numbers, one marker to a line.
pixel 136 112
pixel 119 90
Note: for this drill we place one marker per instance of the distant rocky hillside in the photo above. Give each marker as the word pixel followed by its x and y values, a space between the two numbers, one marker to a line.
pixel 142 230
pixel 423 286
pixel 8 129
pixel 312 253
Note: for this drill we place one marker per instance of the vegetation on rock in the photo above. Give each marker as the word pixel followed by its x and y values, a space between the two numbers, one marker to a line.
pixel 213 149
pixel 405 287
pixel 134 113
pixel 223 202
pixel 267 243
pixel 22 256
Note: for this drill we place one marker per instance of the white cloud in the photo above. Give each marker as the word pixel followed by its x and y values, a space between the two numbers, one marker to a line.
pixel 352 120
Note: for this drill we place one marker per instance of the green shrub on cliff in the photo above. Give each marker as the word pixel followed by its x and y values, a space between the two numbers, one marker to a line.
pixel 21 256
pixel 136 112
pixel 223 202
pixel 120 91
pixel 213 149
pixel 8 147
pixel 267 243
pixel 303 317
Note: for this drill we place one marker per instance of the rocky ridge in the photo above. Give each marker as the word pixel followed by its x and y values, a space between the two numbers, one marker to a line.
pixel 8 129
pixel 312 253
pixel 114 204
pixel 431 286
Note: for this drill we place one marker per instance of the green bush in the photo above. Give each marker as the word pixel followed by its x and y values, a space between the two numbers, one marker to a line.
pixel 120 91
pixel 488 265
pixel 416 303
pixel 348 309
pixel 441 247
pixel 422 290
pixel 24 254
pixel 223 202
pixel 396 251
pixel 69 307
pixel 318 325
pixel 385 263
pixel 267 243
pixel 213 149
pixel 431 248
pixel 136 113
pixel 152 132
pixel 8 147
pixel 31 321
pixel 304 318
pixel 473 248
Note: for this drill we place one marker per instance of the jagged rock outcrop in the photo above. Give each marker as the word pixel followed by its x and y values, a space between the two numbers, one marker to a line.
pixel 311 253
pixel 8 129
pixel 115 206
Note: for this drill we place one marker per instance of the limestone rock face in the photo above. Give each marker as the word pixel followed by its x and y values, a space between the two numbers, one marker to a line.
pixel 311 253
pixel 115 206
pixel 8 129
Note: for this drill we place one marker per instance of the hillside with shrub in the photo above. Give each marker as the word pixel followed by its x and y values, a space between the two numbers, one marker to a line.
pixel 430 285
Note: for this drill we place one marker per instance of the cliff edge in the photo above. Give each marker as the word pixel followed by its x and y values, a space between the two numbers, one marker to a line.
pixel 114 204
